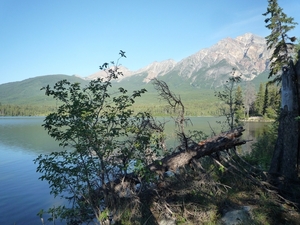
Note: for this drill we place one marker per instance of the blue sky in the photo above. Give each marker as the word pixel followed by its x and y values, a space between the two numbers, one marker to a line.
pixel 41 37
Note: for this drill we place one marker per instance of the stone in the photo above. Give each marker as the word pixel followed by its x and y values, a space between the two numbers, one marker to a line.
pixel 236 217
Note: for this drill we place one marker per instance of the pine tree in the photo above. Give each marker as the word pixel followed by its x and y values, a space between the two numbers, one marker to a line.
pixel 273 99
pixel 238 104
pixel 279 24
pixel 274 96
pixel 266 101
pixel 259 102
pixel 286 151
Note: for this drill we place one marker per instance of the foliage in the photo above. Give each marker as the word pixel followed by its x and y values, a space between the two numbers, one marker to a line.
pixel 259 102
pixel 231 100
pixel 239 103
pixel 283 53
pixel 106 140
pixel 267 102
pixel 24 110
pixel 279 24
pixel 249 99
pixel 272 101
pixel 263 148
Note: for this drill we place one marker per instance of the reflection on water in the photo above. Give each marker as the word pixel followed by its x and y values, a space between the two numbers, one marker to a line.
pixel 22 195
pixel 253 130
pixel 210 127
pixel 26 133
pixel 22 139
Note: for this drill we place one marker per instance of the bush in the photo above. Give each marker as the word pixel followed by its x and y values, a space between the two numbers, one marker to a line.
pixel 106 139
pixel 262 149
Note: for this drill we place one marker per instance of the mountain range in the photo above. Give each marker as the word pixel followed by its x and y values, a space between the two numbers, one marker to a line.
pixel 208 68
pixel 248 54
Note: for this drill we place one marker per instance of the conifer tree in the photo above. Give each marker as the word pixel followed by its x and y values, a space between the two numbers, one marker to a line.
pixel 266 101
pixel 279 24
pixel 249 98
pixel 286 152
pixel 274 96
pixel 259 102
pixel 238 104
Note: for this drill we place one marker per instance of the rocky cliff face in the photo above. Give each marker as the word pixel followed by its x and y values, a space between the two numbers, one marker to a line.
pixel 248 54
pixel 102 74
pixel 156 69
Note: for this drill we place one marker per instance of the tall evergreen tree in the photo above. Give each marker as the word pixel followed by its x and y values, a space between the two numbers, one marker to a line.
pixel 279 24
pixel 266 101
pixel 284 161
pixel 238 104
pixel 259 102
pixel 274 96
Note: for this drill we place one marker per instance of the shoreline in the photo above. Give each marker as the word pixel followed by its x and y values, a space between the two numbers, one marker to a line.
pixel 257 119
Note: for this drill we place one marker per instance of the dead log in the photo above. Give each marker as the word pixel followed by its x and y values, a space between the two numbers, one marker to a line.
pixel 184 157
pixel 224 141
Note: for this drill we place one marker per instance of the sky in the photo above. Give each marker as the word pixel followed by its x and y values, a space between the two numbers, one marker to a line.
pixel 42 37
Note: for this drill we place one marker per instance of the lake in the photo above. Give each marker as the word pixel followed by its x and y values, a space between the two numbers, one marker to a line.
pixel 22 139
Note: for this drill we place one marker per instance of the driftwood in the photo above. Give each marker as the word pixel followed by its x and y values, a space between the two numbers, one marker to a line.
pixel 193 151
pixel 174 161
pixel 125 187
pixel 189 149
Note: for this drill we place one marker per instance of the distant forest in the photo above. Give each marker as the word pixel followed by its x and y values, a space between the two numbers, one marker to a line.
pixel 25 110
pixel 265 102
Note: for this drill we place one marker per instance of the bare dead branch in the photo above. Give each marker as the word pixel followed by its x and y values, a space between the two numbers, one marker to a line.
pixel 184 157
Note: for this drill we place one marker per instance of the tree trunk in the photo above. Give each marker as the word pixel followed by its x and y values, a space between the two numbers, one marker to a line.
pixel 221 142
pixel 284 161
pixel 297 71
pixel 185 156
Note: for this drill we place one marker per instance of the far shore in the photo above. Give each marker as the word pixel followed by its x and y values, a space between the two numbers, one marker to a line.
pixel 257 119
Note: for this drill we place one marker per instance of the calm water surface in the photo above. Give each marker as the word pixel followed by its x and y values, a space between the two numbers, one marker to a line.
pixel 22 195
pixel 22 139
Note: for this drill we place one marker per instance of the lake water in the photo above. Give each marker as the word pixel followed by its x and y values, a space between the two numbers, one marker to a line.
pixel 22 195
pixel 22 139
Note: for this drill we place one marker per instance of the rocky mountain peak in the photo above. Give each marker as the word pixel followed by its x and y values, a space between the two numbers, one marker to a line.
pixel 156 69
pixel 247 53
pixel 102 74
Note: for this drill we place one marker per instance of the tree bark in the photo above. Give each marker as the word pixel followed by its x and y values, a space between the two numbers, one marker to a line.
pixel 284 160
pixel 174 161
pixel 297 75
pixel 184 157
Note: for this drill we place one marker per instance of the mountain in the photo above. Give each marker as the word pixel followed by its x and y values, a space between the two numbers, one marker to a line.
pixel 203 71
pixel 102 74
pixel 248 54
pixel 156 69
pixel 209 67
pixel 29 91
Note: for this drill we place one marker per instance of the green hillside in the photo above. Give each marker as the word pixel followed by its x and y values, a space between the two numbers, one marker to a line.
pixel 198 97
pixel 28 92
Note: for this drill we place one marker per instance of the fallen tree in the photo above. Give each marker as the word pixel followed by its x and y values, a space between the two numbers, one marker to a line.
pixel 187 153
pixel 125 191
pixel 221 142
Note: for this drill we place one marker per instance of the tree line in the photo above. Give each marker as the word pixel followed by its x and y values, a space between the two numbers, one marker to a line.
pixel 25 110
pixel 264 102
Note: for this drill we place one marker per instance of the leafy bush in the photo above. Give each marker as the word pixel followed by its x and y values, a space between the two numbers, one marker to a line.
pixel 106 140
pixel 262 149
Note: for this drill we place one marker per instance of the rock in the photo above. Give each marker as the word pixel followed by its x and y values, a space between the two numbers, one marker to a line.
pixel 167 221
pixel 236 217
